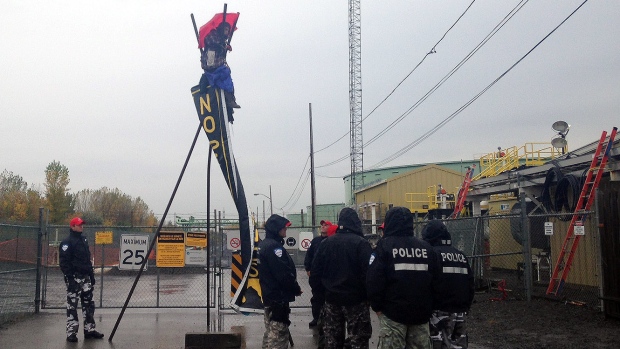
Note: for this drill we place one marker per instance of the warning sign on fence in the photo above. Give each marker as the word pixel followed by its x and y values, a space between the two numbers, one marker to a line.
pixel 104 237
pixel 171 250
pixel 305 238
pixel 196 240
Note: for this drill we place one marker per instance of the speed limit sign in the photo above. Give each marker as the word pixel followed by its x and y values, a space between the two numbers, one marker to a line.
pixel 133 251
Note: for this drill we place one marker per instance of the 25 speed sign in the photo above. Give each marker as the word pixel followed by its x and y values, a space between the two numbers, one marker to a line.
pixel 133 251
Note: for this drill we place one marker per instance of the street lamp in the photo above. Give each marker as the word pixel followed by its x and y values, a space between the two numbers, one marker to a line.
pixel 268 197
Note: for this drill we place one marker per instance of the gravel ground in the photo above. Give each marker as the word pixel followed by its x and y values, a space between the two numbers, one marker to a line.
pixel 540 323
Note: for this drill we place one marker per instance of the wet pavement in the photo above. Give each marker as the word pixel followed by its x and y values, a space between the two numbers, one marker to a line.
pixel 154 328
pixel 146 328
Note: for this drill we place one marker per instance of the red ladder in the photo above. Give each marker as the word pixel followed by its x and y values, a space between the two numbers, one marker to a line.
pixel 586 198
pixel 460 201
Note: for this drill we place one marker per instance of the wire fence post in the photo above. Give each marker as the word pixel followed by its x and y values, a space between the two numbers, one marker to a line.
pixel 37 291
pixel 527 248
pixel 101 282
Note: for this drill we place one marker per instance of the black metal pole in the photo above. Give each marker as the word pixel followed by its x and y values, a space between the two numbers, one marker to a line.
pixel 161 223
pixel 209 241
pixel 101 282
pixel 37 291
pixel 197 34
pixel 312 180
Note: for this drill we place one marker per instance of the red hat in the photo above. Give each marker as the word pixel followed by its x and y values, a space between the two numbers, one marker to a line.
pixel 326 222
pixel 288 224
pixel 76 221
pixel 382 226
pixel 332 230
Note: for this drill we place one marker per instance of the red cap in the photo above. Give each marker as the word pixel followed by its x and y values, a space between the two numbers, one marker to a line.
pixel 76 221
pixel 382 226
pixel 332 230
pixel 288 224
pixel 326 222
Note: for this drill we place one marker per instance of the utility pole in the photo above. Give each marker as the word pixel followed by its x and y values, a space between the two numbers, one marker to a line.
pixel 312 185
pixel 270 201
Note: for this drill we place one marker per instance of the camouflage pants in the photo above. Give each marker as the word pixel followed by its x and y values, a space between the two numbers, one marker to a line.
pixel 448 329
pixel 83 290
pixel 357 320
pixel 276 333
pixel 394 335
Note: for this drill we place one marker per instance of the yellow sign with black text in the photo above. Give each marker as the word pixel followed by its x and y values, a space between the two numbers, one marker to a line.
pixel 170 250
pixel 104 238
pixel 196 239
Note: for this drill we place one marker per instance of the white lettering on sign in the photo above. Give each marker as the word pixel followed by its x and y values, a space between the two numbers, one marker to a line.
pixel 409 252
pixel 453 257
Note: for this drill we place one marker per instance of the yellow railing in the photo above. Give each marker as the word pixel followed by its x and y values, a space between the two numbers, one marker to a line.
pixel 422 202
pixel 530 154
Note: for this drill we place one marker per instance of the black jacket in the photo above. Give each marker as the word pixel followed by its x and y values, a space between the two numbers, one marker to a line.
pixel 401 278
pixel 456 287
pixel 276 270
pixel 341 262
pixel 314 246
pixel 455 290
pixel 74 255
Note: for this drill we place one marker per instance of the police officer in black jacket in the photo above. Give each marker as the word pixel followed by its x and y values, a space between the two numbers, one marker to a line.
pixel 74 256
pixel 340 266
pixel 456 287
pixel 278 281
pixel 317 299
pixel 401 281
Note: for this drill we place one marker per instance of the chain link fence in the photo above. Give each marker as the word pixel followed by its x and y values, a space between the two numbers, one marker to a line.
pixel 18 273
pixel 492 244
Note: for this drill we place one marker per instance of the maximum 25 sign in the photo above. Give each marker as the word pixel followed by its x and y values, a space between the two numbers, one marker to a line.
pixel 133 251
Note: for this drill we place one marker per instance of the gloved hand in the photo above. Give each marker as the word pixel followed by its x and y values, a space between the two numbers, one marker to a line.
pixel 92 279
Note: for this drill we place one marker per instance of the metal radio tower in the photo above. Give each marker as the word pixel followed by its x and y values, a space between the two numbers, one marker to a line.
pixel 355 97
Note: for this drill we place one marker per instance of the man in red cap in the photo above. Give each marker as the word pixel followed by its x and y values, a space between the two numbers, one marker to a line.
pixel 75 264
pixel 317 299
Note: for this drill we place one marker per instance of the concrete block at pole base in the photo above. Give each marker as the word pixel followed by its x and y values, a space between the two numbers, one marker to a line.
pixel 213 341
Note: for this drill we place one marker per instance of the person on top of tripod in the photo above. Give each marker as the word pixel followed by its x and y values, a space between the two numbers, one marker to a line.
pixel 213 62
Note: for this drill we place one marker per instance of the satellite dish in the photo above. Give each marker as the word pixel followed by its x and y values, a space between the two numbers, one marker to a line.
pixel 560 126
pixel 558 142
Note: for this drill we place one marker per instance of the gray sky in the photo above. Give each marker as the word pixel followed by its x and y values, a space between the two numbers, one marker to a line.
pixel 104 88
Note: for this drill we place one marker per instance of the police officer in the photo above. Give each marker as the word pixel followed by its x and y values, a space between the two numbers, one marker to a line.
pixel 400 283
pixel 455 292
pixel 79 278
pixel 340 266
pixel 317 299
pixel 278 281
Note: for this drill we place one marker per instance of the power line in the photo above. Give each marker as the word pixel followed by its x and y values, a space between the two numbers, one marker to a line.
pixel 420 139
pixel 297 185
pixel 398 85
pixel 298 195
pixel 467 57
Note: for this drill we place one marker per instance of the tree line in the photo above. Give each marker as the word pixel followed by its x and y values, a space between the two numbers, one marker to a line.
pixel 20 202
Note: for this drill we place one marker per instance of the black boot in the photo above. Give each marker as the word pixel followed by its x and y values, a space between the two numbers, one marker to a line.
pixel 92 335
pixel 231 101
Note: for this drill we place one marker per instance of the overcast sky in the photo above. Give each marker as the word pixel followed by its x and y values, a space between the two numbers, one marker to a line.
pixel 103 87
